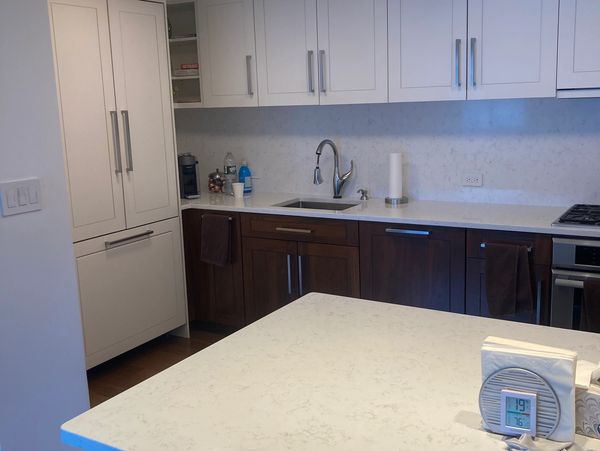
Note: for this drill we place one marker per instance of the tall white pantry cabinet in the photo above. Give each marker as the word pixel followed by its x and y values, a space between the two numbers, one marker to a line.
pixel 113 85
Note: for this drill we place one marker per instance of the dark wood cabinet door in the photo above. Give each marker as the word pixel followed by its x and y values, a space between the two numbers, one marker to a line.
pixel 270 275
pixel 215 294
pixel 330 269
pixel 413 265
pixel 476 294
pixel 540 248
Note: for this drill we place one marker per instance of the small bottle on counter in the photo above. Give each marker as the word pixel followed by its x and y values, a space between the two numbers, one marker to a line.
pixel 230 170
pixel 246 177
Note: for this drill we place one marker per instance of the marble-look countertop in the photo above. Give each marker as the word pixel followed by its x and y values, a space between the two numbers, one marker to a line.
pixel 323 373
pixel 518 218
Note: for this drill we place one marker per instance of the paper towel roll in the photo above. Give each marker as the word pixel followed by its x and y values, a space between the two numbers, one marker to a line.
pixel 395 167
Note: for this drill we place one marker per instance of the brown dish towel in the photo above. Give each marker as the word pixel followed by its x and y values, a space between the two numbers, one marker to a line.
pixel 508 279
pixel 215 240
pixel 590 307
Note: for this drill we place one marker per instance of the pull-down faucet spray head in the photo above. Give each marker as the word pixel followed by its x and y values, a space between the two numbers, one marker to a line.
pixel 317 178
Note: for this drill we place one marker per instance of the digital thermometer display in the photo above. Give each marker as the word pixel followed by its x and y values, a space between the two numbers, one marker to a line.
pixel 518 412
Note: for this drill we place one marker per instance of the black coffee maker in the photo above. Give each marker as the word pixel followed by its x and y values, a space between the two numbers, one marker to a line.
pixel 188 177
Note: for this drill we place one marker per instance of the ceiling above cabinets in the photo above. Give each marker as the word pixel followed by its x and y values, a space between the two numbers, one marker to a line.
pixel 324 52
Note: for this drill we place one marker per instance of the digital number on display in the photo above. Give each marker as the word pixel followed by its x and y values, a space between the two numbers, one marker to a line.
pixel 518 412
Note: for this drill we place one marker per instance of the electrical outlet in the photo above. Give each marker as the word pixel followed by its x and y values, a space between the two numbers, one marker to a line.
pixel 472 179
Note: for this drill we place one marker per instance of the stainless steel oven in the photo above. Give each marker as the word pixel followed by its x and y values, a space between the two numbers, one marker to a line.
pixel 574 261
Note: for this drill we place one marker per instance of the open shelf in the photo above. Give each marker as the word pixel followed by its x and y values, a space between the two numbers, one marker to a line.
pixel 175 40
pixel 182 18
pixel 187 105
pixel 185 77
pixel 183 46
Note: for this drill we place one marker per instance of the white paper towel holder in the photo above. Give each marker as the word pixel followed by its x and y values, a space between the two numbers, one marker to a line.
pixel 395 201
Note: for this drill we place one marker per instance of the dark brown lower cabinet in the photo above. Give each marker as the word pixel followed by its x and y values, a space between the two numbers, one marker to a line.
pixel 215 294
pixel 270 273
pixel 277 259
pixel 413 265
pixel 330 269
pixel 278 271
pixel 540 250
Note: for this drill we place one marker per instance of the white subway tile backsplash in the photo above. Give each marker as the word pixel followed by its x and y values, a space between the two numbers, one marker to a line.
pixel 544 152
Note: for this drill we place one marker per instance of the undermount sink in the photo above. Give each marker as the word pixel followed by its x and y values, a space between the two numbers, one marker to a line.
pixel 315 204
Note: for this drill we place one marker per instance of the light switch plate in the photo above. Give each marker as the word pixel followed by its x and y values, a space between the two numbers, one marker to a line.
pixel 20 196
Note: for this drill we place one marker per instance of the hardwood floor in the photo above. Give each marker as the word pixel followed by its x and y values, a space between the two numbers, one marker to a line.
pixel 131 368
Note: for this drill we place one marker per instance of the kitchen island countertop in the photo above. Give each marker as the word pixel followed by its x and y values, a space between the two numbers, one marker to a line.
pixel 516 218
pixel 324 372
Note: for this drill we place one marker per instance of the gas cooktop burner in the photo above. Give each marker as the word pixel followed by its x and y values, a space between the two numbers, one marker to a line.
pixel 581 215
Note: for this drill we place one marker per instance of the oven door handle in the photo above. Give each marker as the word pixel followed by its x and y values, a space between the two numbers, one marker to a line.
pixel 568 283
pixel 572 279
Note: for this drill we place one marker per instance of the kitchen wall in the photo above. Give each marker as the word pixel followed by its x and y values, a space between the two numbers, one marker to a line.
pixel 542 151
pixel 42 370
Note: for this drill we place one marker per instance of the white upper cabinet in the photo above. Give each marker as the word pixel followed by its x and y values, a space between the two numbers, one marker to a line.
pixel 227 52
pixel 88 116
pixel 142 83
pixel 352 59
pixel 512 48
pixel 427 50
pixel 286 52
pixel 579 44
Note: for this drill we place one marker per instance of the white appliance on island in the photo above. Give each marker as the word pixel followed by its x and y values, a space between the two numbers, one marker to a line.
pixel 113 84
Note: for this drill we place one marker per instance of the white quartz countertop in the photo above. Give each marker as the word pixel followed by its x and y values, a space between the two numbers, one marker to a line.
pixel 520 218
pixel 323 373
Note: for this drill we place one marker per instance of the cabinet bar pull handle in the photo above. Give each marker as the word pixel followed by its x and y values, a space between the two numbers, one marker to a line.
pixel 138 237
pixel 301 285
pixel 538 298
pixel 457 61
pixel 289 273
pixel 311 69
pixel 472 62
pixel 322 71
pixel 289 230
pixel 249 74
pixel 127 136
pixel 116 142
pixel 408 232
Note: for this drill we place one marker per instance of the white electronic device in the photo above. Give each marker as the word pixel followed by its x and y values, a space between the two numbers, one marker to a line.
pixel 516 401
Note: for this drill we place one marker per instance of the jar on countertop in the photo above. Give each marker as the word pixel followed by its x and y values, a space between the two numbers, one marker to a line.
pixel 216 180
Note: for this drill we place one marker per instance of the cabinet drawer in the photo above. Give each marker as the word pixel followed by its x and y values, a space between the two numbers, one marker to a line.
pixel 541 245
pixel 328 231
pixel 131 288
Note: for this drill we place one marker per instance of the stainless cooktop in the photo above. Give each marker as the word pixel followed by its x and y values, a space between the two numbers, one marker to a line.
pixel 582 215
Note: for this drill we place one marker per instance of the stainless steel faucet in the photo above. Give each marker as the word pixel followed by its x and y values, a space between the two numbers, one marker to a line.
pixel 338 181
